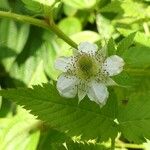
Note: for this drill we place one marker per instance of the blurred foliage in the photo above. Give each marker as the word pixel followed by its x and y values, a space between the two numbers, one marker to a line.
pixel 27 55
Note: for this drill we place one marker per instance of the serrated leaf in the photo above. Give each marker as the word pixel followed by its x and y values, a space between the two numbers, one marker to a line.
pixel 125 79
pixel 137 57
pixel 111 47
pixel 13 37
pixel 134 118
pixel 36 58
pixel 85 119
pixel 126 9
pixel 125 44
pixel 40 6
pixel 15 132
pixel 52 139
pixel 104 27
pixel 140 38
pixel 84 146
pixel 114 6
pixel 33 6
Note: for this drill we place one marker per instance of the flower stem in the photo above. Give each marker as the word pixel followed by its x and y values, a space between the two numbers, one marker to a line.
pixel 40 23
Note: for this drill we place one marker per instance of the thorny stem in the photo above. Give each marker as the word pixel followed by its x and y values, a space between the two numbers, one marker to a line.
pixel 40 23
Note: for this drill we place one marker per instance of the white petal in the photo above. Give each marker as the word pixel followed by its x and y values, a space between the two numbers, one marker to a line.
pixel 98 92
pixel 87 47
pixel 82 90
pixel 113 65
pixel 62 63
pixel 66 86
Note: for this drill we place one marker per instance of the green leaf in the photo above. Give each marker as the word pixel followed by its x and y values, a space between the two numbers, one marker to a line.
pixel 104 27
pixel 137 57
pixel 29 65
pixel 30 73
pixel 136 69
pixel 126 9
pixel 84 146
pixel 6 52
pixel 13 35
pixel 52 139
pixel 82 4
pixel 12 38
pixel 50 51
pixel 33 5
pixel 69 11
pixel 125 79
pixel 114 6
pixel 70 25
pixel 140 38
pixel 86 36
pixel 125 44
pixel 46 2
pixel 40 6
pixel 16 133
pixel 111 47
pixel 66 115
pixel 134 118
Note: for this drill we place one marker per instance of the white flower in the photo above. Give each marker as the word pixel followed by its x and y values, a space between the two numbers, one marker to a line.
pixel 88 72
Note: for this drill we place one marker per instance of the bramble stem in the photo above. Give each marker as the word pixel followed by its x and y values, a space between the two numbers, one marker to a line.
pixel 40 23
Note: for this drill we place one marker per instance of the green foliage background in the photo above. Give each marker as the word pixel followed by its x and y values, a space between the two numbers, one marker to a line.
pixel 34 116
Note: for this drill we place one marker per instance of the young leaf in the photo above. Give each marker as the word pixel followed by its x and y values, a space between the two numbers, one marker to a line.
pixel 85 119
pixel 33 5
pixel 70 25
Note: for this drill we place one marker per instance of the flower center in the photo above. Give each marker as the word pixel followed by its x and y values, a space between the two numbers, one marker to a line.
pixel 86 67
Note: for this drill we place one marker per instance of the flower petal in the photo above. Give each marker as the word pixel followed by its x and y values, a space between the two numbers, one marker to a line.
pixel 63 63
pixel 66 85
pixel 82 90
pixel 86 47
pixel 98 92
pixel 113 65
